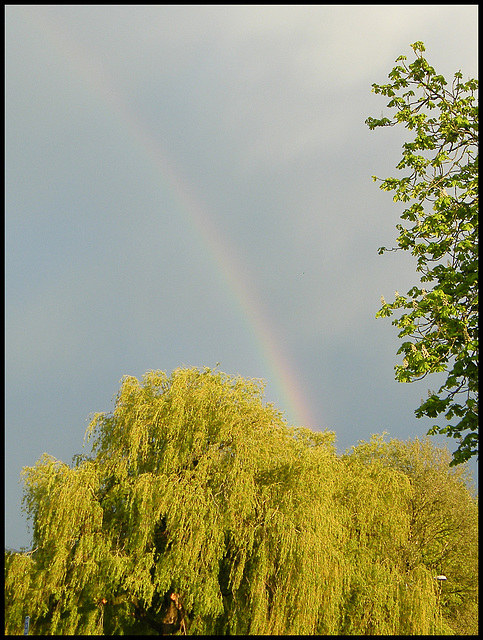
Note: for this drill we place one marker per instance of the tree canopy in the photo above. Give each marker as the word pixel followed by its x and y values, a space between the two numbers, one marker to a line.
pixel 200 511
pixel 439 326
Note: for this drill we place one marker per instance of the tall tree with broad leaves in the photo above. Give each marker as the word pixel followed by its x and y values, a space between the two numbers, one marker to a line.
pixel 439 322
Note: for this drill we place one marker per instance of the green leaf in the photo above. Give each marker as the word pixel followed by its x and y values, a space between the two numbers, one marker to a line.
pixel 440 183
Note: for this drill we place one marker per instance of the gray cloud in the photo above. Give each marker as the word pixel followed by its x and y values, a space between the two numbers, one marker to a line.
pixel 117 118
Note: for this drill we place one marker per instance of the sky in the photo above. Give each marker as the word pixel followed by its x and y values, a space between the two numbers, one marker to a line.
pixel 189 185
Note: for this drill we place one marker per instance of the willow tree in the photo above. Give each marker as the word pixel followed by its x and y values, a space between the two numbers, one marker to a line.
pixel 195 512
pixel 440 518
pixel 439 185
pixel 200 511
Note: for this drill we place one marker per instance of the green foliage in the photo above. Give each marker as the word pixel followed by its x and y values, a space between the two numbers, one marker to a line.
pixel 442 519
pixel 439 326
pixel 201 511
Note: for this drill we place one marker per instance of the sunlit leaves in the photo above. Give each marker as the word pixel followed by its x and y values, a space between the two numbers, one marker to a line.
pixel 440 186
pixel 196 492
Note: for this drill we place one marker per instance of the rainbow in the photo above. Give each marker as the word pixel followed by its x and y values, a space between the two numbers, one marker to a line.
pixel 218 246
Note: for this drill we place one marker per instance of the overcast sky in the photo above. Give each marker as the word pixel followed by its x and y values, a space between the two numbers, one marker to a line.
pixel 191 185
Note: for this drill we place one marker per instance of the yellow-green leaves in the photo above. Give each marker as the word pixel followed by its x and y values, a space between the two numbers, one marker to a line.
pixel 201 510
